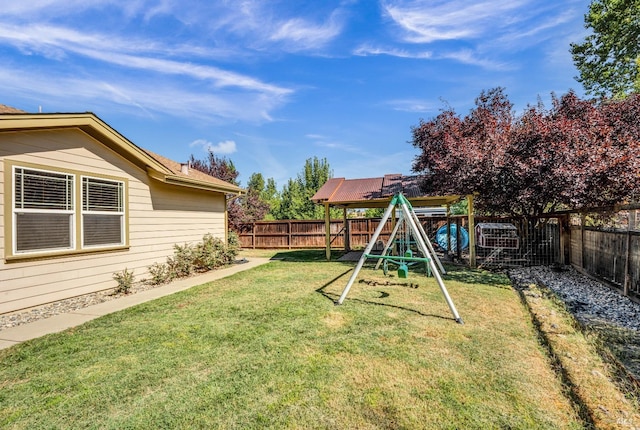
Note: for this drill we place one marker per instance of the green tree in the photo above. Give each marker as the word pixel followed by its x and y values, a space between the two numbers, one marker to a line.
pixel 256 183
pixel 291 201
pixel 295 202
pixel 271 195
pixel 609 58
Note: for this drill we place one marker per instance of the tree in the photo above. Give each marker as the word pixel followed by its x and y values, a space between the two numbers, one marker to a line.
pixel 609 58
pixel 291 202
pixel 246 209
pixel 295 202
pixel 218 167
pixel 250 207
pixel 222 168
pixel 271 195
pixel 576 154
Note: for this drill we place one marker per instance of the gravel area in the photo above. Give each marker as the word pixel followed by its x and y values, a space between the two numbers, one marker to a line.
pixel 26 316
pixel 590 301
pixel 597 307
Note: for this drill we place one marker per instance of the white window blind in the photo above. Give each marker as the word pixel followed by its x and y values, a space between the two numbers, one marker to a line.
pixel 43 210
pixel 102 212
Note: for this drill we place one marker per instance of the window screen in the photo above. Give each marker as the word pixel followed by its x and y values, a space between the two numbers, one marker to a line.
pixel 43 210
pixel 102 212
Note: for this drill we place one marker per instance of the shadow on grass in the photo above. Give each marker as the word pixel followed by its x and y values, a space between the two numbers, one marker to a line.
pixel 334 299
pixel 474 276
pixel 307 255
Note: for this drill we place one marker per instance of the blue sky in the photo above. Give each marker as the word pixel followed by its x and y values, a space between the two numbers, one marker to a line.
pixel 269 84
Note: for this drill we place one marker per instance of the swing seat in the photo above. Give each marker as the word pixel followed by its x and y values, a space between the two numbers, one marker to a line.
pixel 403 271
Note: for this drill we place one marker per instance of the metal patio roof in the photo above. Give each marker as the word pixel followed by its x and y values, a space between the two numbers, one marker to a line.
pixel 376 192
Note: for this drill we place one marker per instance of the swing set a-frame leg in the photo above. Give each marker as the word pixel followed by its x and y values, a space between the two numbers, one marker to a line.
pixel 423 247
pixel 367 250
pixel 420 237
pixel 389 242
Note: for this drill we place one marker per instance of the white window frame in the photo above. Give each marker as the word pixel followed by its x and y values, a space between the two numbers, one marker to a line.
pixel 74 211
pixel 121 213
pixel 17 211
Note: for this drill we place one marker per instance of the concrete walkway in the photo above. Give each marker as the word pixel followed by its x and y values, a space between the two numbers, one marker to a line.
pixel 57 323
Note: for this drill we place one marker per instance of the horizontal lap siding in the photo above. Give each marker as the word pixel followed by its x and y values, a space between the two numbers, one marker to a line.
pixel 160 216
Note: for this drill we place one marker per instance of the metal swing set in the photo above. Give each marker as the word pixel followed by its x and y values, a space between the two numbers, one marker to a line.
pixel 409 227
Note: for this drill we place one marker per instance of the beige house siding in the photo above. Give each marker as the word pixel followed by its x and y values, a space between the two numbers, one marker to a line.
pixel 159 216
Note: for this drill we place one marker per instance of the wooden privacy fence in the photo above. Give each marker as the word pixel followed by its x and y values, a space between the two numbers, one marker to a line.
pixel 296 234
pixel 539 239
pixel 613 256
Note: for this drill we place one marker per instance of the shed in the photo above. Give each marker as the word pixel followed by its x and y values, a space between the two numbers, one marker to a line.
pixel 81 202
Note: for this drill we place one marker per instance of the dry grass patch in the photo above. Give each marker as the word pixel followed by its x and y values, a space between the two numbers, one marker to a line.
pixel 590 378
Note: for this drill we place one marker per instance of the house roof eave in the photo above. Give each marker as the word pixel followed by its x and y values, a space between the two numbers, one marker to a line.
pixel 93 126
pixel 194 183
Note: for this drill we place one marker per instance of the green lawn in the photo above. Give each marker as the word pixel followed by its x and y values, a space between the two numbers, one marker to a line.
pixel 267 348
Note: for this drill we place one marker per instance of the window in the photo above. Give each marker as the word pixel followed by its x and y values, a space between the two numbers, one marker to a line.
pixel 43 211
pixel 102 212
pixel 55 212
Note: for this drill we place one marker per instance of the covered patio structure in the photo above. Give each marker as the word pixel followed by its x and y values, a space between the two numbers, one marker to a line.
pixel 377 193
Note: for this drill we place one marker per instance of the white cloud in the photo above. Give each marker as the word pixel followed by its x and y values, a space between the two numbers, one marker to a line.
pixel 365 50
pixel 412 105
pixel 73 93
pixel 300 34
pixel 220 148
pixel 467 56
pixel 58 42
pixel 426 21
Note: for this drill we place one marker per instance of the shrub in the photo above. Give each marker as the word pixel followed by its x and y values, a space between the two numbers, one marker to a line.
pixel 125 281
pixel 183 262
pixel 233 247
pixel 160 273
pixel 213 253
pixel 209 254
pixel 234 241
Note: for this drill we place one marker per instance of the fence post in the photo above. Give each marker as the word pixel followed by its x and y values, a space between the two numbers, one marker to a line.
pixel 565 239
pixel 253 235
pixel 583 220
pixel 631 225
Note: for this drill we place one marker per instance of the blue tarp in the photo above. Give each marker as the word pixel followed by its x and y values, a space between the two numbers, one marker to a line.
pixel 441 237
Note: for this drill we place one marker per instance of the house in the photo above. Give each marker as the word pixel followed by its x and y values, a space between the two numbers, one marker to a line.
pixel 81 202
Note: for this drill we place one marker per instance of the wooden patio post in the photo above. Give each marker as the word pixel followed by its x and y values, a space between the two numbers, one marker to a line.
pixel 472 232
pixel 448 215
pixel 347 232
pixel 327 229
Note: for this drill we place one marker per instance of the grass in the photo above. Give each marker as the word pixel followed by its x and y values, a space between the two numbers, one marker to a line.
pixel 267 348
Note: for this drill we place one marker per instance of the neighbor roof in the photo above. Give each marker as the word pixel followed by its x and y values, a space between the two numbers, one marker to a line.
pixel 157 166
pixel 9 109
pixel 377 192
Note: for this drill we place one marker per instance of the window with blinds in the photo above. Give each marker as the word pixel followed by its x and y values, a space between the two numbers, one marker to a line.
pixel 102 212
pixel 60 212
pixel 43 210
